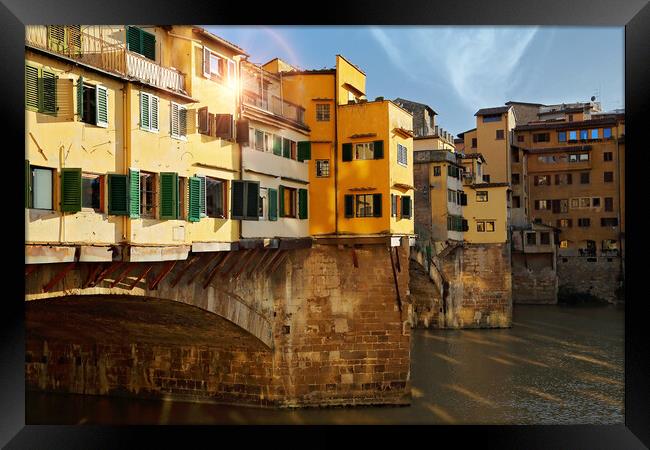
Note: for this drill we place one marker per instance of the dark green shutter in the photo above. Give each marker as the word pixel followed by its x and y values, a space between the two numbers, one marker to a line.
pixel 80 97
pixel 277 148
pixel 31 87
pixel 376 205
pixel 56 38
pixel 139 41
pixel 70 190
pixel 101 116
pixel 144 110
pixel 303 203
pixel 49 92
pixel 28 183
pixel 133 39
pixel 273 204
pixel 118 204
pixel 237 199
pixel 73 38
pixel 281 193
pixel 148 45
pixel 202 195
pixel 378 149
pixel 134 193
pixel 168 195
pixel 194 204
pixel 347 152
pixel 304 150
pixel 349 206
pixel 252 195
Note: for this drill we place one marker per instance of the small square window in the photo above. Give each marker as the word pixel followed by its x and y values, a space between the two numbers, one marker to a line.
pixel 323 168
pixel 607 156
pixel 584 178
pixel 608 177
pixel 500 134
pixel 436 171
pixel 607 133
pixel 323 112
pixel 481 196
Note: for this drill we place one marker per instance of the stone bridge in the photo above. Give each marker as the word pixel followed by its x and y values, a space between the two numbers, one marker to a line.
pixel 325 325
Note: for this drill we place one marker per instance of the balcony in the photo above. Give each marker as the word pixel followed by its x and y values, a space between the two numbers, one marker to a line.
pixel 103 47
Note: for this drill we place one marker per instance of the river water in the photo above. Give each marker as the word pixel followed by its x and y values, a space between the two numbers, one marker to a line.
pixel 556 365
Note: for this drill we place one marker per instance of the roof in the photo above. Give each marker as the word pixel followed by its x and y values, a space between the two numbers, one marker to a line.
pixel 564 110
pixel 512 102
pixel 310 72
pixel 214 37
pixel 489 185
pixel 350 62
pixel 473 156
pixel 422 105
pixel 611 120
pixel 467 131
pixel 488 111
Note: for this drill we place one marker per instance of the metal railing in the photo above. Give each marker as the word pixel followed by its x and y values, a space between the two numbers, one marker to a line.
pixel 103 47
pixel 275 105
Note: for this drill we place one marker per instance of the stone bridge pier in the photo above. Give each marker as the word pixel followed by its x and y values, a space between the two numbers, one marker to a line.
pixel 318 326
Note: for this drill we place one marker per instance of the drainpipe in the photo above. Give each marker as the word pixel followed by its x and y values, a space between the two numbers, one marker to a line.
pixel 126 111
pixel 336 153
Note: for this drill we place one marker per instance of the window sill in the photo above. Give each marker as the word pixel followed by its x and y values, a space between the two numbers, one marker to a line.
pixel 149 130
pixel 179 138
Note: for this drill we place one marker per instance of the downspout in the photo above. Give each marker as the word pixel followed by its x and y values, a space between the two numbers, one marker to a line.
pixel 126 111
pixel 336 155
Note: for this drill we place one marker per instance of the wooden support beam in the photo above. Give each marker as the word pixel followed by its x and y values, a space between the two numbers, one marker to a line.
pixel 169 265
pixel 93 269
pixel 355 261
pixel 271 260
pixel 122 275
pixel 204 268
pixel 232 268
pixel 106 272
pixel 58 277
pixel 216 269
pixel 399 267
pixel 30 268
pixel 247 260
pixel 257 266
pixel 142 275
pixel 278 262
pixel 182 272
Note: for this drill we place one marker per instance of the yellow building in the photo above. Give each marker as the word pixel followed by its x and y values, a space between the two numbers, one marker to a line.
pixel 360 172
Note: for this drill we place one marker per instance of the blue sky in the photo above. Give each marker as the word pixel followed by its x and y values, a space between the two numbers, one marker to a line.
pixel 456 70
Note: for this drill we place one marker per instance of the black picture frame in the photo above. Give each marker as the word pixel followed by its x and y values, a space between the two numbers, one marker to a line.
pixel 634 15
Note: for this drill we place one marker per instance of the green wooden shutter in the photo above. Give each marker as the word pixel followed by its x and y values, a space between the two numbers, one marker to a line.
pixel 102 106
pixel 148 45
pixel 303 203
pixel 349 205
pixel 378 149
pixel 73 39
pixel 194 204
pixel 273 204
pixel 49 92
pixel 144 110
pixel 182 121
pixel 80 97
pixel 281 202
pixel 28 184
pixel 70 190
pixel 134 193
pixel 376 205
pixel 118 203
pixel 304 150
pixel 347 152
pixel 56 38
pixel 252 196
pixel 168 195
pixel 31 87
pixel 277 147
pixel 237 199
pixel 154 112
pixel 202 195
pixel 134 39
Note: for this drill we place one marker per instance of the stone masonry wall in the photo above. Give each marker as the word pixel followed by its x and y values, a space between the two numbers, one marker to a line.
pixel 534 280
pixel 599 276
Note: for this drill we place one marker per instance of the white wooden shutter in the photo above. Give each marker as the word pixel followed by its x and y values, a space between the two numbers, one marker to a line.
pixel 101 102
pixel 154 112
pixel 174 125
pixel 206 62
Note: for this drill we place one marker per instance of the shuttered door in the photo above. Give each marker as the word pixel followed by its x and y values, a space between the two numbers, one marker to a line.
pixel 277 148
pixel 304 150
pixel 31 87
pixel 376 205
pixel 133 39
pixel 194 204
pixel 73 39
pixel 347 152
pixel 49 92
pixel 70 190
pixel 148 45
pixel 237 199
pixel 134 193
pixel 349 206
pixel 118 203
pixel 378 149
pixel 302 203
pixel 273 204
pixel 252 200
pixel 102 106
pixel 168 195
pixel 80 97
pixel 56 38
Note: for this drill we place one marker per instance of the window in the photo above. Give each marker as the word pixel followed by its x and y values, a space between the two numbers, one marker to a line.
pixel 609 204
pixel 91 187
pixel 564 223
pixel 486 178
pixel 406 206
pixel 545 238
pixel 593 134
pixel 570 117
pixel 584 134
pixel 288 202
pixel 515 178
pixel 215 197
pixel 364 151
pixel 323 168
pixel 573 158
pixel 584 222
pixel 278 148
pixel 515 154
pixel 561 136
pixel 258 139
pixel 484 226
pixel 500 134
pixel 595 202
pixel 531 238
pixel 40 90
pixel 481 196
pixel 492 118
pixel 436 171
pixel 218 67
pixel 268 145
pixel 41 194
pixel 452 171
pixel 451 196
pixel 564 205
pixel 542 204
pixel 607 156
pixel 608 177
pixel 573 135
pixel 541 137
pixel 365 205
pixel 584 178
pixel 516 201
pixel 245 197
pixel 607 133
pixel 214 64
pixel 149 112
pixel 402 155
pixel 148 194
pixel 288 148
pixel 520 138
pixel 141 42
pixel 542 180
pixel 178 125
pixel 583 156
pixel 64 39
pixel 473 142
pixel 608 222
pixel 323 112
pixel 88 112
pixel 393 204
pixel 564 244
pixel 263 204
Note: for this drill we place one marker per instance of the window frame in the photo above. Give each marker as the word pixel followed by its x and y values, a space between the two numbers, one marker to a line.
pixel 52 187
pixel 224 197
pixel 323 112
pixel 369 148
pixel 180 110
pixel 150 128
pixel 100 178
pixel 153 208
pixel 403 151
pixel 319 163
pixel 482 196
